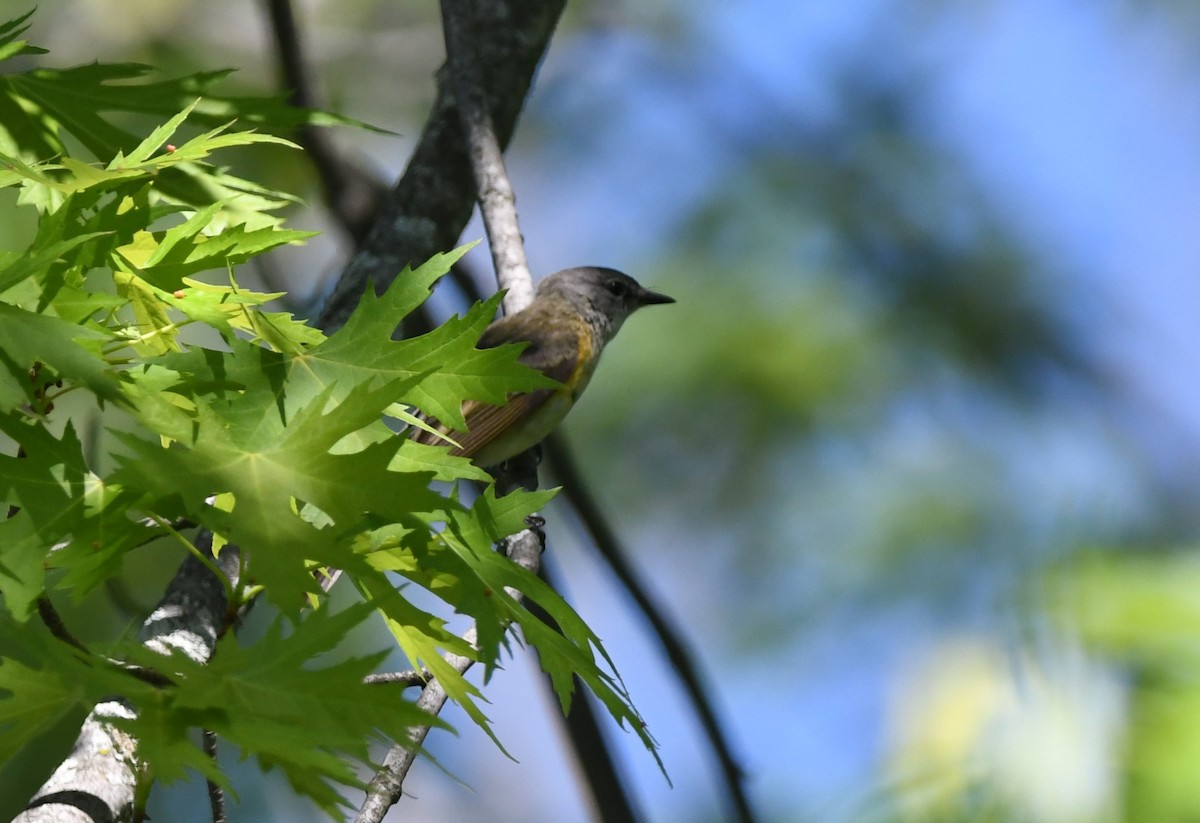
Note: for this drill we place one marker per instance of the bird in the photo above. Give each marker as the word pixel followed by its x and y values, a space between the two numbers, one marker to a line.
pixel 574 314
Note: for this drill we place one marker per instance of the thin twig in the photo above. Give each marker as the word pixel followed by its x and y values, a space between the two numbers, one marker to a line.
pixel 408 677
pixel 54 622
pixel 58 627
pixel 508 255
pixel 681 659
pixel 498 207
pixel 525 549
pixel 216 795
pixel 497 202
pixel 387 786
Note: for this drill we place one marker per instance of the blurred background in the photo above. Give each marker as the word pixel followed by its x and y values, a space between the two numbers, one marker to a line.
pixel 912 461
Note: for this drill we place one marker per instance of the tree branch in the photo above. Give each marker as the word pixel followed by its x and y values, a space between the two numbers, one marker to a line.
pixel 353 195
pixel 612 802
pixel 216 795
pixel 98 780
pixel 430 205
pixel 408 677
pixel 525 549
pixel 497 202
pixel 387 786
pixel 679 656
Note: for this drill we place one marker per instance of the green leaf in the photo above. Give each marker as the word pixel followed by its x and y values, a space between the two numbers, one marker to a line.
pixel 77 305
pixel 22 562
pixel 10 46
pixel 199 244
pixel 71 351
pixel 42 680
pixel 153 142
pixel 198 147
pixel 35 105
pixel 443 367
pixel 278 700
pixel 468 553
pixel 271 463
pixel 419 457
pixel 36 700
pixel 84 176
pixel 187 230
pixel 155 333
pixel 566 649
pixel 29 265
pixel 230 307
pixel 424 639
pixel 363 349
pixel 63 504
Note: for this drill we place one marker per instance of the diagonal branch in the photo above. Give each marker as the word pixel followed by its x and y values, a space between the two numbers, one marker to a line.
pixel 431 204
pixel 612 800
pixel 216 795
pixel 497 202
pixel 352 194
pixel 525 549
pixel 387 786
pixel 54 622
pixel 680 657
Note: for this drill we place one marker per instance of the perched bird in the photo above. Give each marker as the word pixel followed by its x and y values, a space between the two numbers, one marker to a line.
pixel 573 315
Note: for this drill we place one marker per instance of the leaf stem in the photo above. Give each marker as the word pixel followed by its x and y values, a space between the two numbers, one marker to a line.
pixel 230 594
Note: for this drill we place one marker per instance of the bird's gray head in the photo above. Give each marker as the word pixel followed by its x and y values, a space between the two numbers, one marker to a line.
pixel 604 296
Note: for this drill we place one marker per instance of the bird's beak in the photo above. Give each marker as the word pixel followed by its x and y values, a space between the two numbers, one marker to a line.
pixel 649 298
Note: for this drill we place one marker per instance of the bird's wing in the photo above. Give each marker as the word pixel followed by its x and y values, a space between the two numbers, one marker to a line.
pixel 553 353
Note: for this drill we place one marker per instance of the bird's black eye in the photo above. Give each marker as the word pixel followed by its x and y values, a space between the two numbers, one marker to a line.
pixel 616 288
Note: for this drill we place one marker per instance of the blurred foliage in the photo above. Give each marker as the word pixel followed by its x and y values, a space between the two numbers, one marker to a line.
pixel 979 733
pixel 858 341
pixel 872 393
pixel 1142 615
